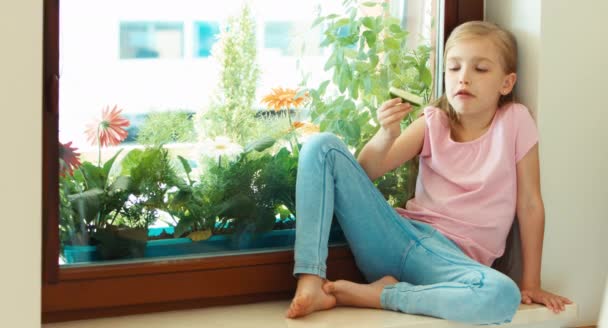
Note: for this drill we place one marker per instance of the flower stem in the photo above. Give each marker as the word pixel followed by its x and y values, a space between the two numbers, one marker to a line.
pixel 98 148
pixel 295 148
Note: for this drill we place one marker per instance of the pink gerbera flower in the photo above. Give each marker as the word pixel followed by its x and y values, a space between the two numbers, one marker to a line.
pixel 68 159
pixel 109 131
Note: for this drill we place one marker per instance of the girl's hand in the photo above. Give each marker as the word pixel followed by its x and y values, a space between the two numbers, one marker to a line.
pixel 554 302
pixel 390 114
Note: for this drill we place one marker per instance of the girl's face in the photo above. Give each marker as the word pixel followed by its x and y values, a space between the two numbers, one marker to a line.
pixel 475 78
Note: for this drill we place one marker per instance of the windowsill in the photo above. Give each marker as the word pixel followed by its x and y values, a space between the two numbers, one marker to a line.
pixel 271 315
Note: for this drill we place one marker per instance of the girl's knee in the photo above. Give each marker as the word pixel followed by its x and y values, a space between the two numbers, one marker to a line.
pixel 503 297
pixel 321 141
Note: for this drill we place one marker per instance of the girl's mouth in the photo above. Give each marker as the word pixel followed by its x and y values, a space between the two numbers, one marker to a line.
pixel 463 93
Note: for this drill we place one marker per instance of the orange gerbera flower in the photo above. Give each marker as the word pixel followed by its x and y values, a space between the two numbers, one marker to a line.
pixel 281 98
pixel 68 159
pixel 306 128
pixel 109 131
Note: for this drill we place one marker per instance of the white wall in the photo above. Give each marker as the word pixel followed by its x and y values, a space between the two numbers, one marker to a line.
pixel 562 77
pixel 20 169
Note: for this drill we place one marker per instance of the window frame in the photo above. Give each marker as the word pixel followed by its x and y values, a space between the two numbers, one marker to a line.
pixel 120 289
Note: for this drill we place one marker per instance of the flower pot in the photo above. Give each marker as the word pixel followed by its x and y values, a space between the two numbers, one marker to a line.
pixel 128 248
pixel 121 243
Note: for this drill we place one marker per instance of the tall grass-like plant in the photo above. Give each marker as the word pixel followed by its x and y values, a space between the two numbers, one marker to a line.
pixel 368 54
pixel 231 112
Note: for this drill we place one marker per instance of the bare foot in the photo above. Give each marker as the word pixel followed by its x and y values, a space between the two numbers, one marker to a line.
pixel 360 295
pixel 385 281
pixel 310 297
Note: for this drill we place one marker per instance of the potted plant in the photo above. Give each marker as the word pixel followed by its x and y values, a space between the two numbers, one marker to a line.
pixel 368 55
pixel 111 211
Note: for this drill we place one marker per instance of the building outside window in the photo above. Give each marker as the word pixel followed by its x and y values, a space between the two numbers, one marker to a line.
pixel 151 40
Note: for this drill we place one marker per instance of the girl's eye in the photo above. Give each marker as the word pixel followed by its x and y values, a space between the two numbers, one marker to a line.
pixel 455 68
pixel 481 69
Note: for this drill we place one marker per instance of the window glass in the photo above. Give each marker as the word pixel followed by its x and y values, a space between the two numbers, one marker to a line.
pixel 151 40
pixel 180 134
pixel 278 35
pixel 206 34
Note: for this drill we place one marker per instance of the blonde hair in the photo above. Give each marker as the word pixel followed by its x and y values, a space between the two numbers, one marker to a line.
pixel 503 40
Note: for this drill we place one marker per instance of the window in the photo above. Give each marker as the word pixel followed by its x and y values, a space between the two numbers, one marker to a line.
pixel 140 87
pixel 277 35
pixel 151 40
pixel 206 35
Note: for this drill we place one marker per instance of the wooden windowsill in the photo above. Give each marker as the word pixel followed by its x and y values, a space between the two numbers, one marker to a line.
pixel 271 315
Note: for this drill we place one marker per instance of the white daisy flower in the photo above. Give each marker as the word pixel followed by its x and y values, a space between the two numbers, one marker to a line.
pixel 220 146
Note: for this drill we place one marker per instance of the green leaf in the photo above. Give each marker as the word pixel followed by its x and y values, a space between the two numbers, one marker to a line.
pixel 373 59
pixel 370 37
pixel 367 84
pixel 327 41
pixel 108 165
pixel 342 22
pixel 260 144
pixel 300 93
pixel 185 164
pixel 393 57
pixel 331 61
pixel 392 44
pixel 318 21
pixel 370 4
pixel 361 67
pixel 87 204
pixel 344 78
pixel 354 89
pixel 368 22
pixel 131 161
pixel 349 106
pixel 93 175
pixel 323 87
pixel 395 28
pixel 120 184
pixel 238 206
pixel 350 53
pixel 427 78
pixel 324 126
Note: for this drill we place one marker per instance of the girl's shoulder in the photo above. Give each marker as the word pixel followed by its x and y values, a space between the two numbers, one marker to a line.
pixel 435 115
pixel 516 116
pixel 511 114
pixel 515 111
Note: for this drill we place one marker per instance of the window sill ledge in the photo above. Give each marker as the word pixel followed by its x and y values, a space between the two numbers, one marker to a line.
pixel 271 315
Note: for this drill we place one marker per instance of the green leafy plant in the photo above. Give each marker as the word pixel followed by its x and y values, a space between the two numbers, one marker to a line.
pixel 167 127
pixel 114 211
pixel 245 195
pixel 368 54
pixel 88 199
pixel 150 174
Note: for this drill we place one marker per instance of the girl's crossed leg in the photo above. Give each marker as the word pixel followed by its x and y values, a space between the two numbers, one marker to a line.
pixel 441 280
pixel 331 181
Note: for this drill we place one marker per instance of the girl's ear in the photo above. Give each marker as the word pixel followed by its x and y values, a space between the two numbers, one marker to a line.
pixel 508 84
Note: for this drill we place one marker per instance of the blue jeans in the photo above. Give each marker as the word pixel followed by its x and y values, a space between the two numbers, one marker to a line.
pixel 436 278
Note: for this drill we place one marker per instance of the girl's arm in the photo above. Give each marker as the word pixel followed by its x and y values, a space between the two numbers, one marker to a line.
pixel 531 216
pixel 389 147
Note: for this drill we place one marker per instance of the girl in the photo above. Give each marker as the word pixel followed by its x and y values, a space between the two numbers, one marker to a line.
pixel 478 170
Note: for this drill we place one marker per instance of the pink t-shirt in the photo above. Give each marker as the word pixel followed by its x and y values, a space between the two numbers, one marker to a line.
pixel 468 190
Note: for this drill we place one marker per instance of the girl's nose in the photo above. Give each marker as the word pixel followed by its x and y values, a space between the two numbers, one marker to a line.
pixel 464 79
pixel 464 82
